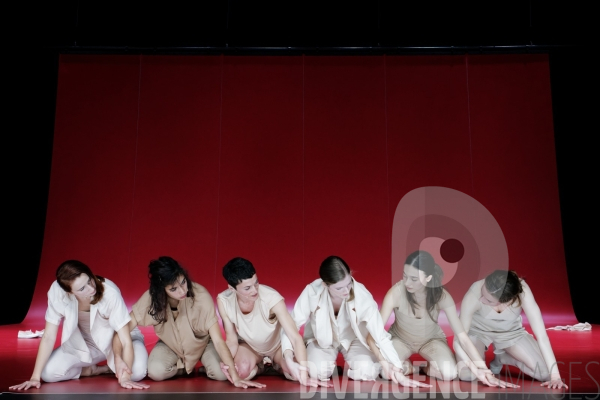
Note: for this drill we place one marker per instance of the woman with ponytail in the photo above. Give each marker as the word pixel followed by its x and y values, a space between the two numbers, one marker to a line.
pixel 491 313
pixel 417 301
pixel 338 314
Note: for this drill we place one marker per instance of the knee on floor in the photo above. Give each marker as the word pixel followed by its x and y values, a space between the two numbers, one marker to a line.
pixel 157 372
pixel 465 374
pixel 215 373
pixel 50 376
pixel 364 370
pixel 138 374
pixel 245 369
pixel 446 371
pixel 321 370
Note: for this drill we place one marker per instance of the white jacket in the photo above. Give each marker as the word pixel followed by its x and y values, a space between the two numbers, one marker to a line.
pixel 364 314
pixel 106 317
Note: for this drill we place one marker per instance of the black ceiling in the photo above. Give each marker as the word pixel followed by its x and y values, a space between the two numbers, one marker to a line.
pixel 241 24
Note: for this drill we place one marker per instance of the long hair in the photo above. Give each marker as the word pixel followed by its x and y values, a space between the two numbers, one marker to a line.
pixel 334 269
pixel 70 270
pixel 505 286
pixel 423 261
pixel 162 272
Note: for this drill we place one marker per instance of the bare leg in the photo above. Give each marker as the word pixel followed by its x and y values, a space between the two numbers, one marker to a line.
pixel 441 363
pixel 247 362
pixel 404 352
pixel 95 370
pixel 526 355
pixel 464 373
pixel 278 360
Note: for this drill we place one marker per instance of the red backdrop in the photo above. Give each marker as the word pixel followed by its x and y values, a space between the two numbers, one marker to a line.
pixel 286 160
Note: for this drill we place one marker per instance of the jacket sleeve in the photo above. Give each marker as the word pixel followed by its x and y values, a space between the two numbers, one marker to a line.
pixel 54 313
pixel 115 307
pixel 300 314
pixel 370 315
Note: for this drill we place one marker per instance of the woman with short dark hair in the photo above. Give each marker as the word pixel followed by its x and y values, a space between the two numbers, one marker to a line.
pixel 182 313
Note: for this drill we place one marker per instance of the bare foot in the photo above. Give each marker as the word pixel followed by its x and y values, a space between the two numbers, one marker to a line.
pixel 95 370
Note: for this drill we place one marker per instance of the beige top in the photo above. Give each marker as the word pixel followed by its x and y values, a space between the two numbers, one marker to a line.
pixel 187 335
pixel 410 329
pixel 341 326
pixel 84 327
pixel 503 328
pixel 259 328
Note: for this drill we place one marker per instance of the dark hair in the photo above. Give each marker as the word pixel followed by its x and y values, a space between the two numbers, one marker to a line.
pixel 423 261
pixel 162 272
pixel 70 270
pixel 237 269
pixel 505 286
pixel 334 269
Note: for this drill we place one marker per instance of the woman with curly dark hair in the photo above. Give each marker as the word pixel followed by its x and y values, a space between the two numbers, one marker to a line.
pixel 182 313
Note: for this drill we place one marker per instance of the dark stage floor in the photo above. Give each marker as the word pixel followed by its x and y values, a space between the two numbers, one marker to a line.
pixel 578 354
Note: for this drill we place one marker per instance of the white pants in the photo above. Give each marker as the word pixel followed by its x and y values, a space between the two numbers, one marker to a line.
pixel 362 362
pixel 62 366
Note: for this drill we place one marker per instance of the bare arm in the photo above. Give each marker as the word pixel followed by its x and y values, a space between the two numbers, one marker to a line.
pixel 124 377
pixel 390 370
pixel 469 306
pixel 226 357
pixel 390 301
pixel 468 352
pixel 300 315
pixel 45 349
pixel 231 337
pixel 534 315
pixel 299 367
pixel 395 373
pixel 448 306
pixel 121 364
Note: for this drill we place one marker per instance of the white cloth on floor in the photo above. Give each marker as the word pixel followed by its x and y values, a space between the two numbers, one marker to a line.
pixel 29 334
pixel 582 326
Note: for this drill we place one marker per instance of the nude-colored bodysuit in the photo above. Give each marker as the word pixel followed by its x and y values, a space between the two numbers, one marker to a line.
pixel 501 328
pixel 505 330
pixel 424 336
pixel 415 332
